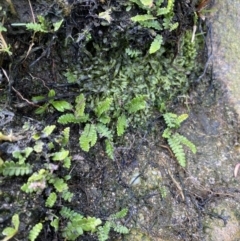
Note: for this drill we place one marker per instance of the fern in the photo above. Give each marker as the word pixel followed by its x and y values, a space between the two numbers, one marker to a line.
pixel 10 232
pixel 175 140
pixel 52 198
pixel 11 168
pixel 156 44
pixel 109 149
pixel 144 17
pixel 67 196
pixel 103 231
pixel 121 125
pixel 104 131
pixel 69 213
pixel 177 148
pixel 70 118
pixel 35 231
pixel 88 138
pixel 151 24
pixel 65 136
pixel 103 106
pixel 120 214
pixel 133 53
pixel 55 224
pixel 80 105
pixel 136 104
pixel 166 10
pixel 59 184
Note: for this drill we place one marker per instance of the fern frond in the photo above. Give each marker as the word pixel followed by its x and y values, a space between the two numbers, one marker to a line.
pixel 80 105
pixel 151 24
pixel 11 168
pixel 103 130
pixel 156 44
pixel 120 214
pixel 61 105
pixel 144 17
pixel 103 231
pixel 52 198
pixel 177 148
pixel 133 53
pixel 66 135
pixel 88 138
pixel 181 118
pixel 187 143
pixel 70 118
pixel 170 120
pixel 69 213
pixel 103 106
pixel 121 125
pixel 120 228
pixel 67 196
pixel 35 231
pixel 136 104
pixel 109 149
pixel 59 184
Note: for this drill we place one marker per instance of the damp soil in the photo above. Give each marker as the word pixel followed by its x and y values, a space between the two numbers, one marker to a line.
pixel 165 201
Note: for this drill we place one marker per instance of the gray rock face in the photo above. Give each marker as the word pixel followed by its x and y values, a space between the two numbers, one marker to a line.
pixel 226 48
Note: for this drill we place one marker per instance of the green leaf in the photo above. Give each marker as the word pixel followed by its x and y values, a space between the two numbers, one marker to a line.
pixel 103 130
pixel 59 156
pixel 121 125
pixel 136 104
pixel 51 93
pixel 144 17
pixel 52 198
pixel 156 44
pixel 57 25
pixel 89 223
pixel 109 149
pixel 35 231
pixel 61 105
pixel 38 147
pixel 103 106
pixel 55 224
pixel 47 131
pixel 9 232
pixel 88 138
pixel 80 105
pixel 148 3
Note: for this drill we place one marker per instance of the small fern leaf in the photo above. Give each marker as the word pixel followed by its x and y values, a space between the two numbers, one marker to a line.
pixel 170 119
pixel 156 44
pixel 136 104
pixel 59 184
pixel 52 198
pixel 47 131
pixel 187 143
pixel 103 231
pixel 120 229
pixel 144 17
pixel 181 118
pixel 61 105
pixel 35 231
pixel 11 168
pixel 88 138
pixel 121 125
pixel 120 214
pixel 177 148
pixel 80 105
pixel 104 131
pixel 109 149
pixel 67 196
pixel 65 136
pixel 148 3
pixel 103 106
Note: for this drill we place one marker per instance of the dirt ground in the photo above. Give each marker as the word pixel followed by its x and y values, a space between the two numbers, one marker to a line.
pixel 165 201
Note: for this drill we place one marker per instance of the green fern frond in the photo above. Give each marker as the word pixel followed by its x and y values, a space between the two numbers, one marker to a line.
pixel 109 149
pixel 61 105
pixel 136 104
pixel 156 44
pixel 133 53
pixel 59 184
pixel 52 198
pixel 65 136
pixel 103 106
pixel 120 228
pixel 120 214
pixel 103 130
pixel 70 118
pixel 69 213
pixel 144 17
pixel 80 105
pixel 187 143
pixel 35 231
pixel 103 231
pixel 171 120
pixel 55 224
pixel 151 24
pixel 11 168
pixel 166 10
pixel 67 196
pixel 67 162
pixel 47 131
pixel 121 125
pixel 88 138
pixel 177 148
